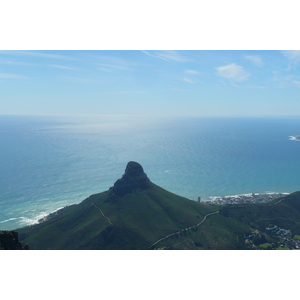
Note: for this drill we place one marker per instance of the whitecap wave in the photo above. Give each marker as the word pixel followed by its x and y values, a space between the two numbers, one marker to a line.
pixel 295 138
pixel 11 219
pixel 31 221
pixel 38 218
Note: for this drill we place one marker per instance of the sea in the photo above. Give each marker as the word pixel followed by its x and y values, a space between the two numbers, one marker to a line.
pixel 49 162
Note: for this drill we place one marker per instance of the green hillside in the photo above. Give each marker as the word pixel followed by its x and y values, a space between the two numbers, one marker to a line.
pixel 283 212
pixel 139 219
pixel 137 214
pixel 134 214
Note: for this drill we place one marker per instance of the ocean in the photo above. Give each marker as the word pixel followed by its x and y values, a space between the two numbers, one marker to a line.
pixel 49 162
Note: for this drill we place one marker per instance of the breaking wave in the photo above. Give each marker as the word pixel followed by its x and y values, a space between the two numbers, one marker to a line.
pixel 295 138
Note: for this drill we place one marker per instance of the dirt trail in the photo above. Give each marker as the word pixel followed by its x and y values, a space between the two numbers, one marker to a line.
pixel 178 232
pixel 108 219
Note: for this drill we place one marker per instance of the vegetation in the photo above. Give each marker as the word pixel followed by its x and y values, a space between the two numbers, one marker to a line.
pixel 137 214
pixel 265 246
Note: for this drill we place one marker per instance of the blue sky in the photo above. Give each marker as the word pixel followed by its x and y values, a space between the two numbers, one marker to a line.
pixel 167 83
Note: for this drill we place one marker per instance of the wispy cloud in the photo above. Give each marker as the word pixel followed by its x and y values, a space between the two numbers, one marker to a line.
pixel 112 68
pixel 113 64
pixel 296 82
pixel 19 63
pixel 77 79
pixel 123 92
pixel 16 63
pixel 168 55
pixel 177 89
pixel 293 57
pixel 193 72
pixel 283 81
pixel 62 67
pixel 233 72
pixel 255 59
pixel 36 54
pixel 188 80
pixel 12 76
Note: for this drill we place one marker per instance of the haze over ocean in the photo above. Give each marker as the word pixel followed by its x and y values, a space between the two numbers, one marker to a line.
pixel 51 162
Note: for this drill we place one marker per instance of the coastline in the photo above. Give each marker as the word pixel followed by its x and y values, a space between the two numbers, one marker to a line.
pixel 215 200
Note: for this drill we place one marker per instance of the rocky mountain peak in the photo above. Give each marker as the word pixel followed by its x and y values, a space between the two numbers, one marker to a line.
pixel 133 178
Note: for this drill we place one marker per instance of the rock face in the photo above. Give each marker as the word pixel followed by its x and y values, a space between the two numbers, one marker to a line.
pixel 133 178
pixel 9 241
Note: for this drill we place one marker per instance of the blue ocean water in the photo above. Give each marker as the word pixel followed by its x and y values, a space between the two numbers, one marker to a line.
pixel 51 162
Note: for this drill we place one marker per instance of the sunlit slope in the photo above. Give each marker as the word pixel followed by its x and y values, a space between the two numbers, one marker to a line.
pixel 283 212
pixel 137 214
pixel 131 215
pixel 106 221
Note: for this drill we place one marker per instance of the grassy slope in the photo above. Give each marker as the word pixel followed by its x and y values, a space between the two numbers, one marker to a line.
pixel 227 229
pixel 142 217
pixel 139 219
pixel 216 233
pixel 285 214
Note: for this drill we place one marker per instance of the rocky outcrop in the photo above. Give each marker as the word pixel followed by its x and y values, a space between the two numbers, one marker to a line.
pixel 133 178
pixel 9 241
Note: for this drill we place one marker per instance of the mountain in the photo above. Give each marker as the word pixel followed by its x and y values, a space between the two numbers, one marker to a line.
pixel 134 214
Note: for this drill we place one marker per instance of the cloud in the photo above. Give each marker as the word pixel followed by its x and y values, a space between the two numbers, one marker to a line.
pixel 188 80
pixel 12 76
pixel 193 72
pixel 168 55
pixel 16 63
pixel 293 57
pixel 77 79
pixel 112 68
pixel 123 92
pixel 233 72
pixel 61 67
pixel 255 59
pixel 36 54
pixel 297 83
pixel 112 64
pixel 283 81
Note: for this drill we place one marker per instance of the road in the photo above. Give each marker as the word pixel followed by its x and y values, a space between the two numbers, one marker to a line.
pixel 188 228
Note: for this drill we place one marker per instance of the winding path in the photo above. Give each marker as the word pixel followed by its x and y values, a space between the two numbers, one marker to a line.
pixel 108 219
pixel 188 228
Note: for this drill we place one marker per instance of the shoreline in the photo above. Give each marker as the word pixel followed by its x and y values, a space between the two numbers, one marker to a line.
pixel 213 200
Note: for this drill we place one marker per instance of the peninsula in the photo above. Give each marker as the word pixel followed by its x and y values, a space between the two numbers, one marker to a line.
pixel 135 213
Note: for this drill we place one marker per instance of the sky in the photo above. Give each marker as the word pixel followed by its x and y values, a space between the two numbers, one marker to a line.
pixel 153 82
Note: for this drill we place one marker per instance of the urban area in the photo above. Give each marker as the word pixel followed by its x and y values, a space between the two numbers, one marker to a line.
pixel 245 198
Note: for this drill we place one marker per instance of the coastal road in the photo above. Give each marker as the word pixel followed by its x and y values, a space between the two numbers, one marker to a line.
pixel 182 230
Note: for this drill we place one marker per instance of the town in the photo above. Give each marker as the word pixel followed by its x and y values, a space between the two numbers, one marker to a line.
pixel 245 198
pixel 275 238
